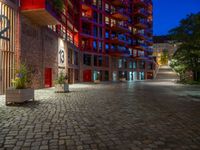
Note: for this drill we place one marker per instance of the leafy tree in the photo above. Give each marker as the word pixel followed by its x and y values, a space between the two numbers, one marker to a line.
pixel 187 57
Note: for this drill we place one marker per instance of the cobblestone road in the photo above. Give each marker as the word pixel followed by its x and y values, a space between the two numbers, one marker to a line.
pixel 115 116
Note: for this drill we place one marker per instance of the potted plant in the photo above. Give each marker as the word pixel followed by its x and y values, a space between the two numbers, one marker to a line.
pixel 20 93
pixel 61 84
pixel 58 5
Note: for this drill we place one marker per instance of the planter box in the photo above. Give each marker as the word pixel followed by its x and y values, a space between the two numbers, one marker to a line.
pixel 62 88
pixel 19 95
pixel 97 81
pixel 122 79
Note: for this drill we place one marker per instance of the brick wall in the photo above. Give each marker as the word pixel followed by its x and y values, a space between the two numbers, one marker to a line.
pixel 39 50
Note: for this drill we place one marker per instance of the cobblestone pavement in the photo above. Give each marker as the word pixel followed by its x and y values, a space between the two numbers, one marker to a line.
pixel 116 116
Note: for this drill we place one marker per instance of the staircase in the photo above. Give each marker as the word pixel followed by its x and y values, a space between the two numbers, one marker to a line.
pixel 166 73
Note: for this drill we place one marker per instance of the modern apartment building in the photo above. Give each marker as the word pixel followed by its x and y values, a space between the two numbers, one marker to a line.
pixel 106 40
pixel 115 40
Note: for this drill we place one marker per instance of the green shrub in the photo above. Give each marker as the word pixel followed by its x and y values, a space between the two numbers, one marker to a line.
pixel 58 4
pixel 20 80
pixel 61 79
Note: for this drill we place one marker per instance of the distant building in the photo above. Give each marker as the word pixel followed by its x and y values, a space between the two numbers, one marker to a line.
pixel 163 44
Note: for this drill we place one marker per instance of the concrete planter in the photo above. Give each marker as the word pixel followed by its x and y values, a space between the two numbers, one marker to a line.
pixel 62 88
pixel 19 95
pixel 97 81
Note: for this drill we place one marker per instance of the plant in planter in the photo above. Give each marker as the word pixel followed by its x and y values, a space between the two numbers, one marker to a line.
pixel 19 93
pixel 58 5
pixel 61 84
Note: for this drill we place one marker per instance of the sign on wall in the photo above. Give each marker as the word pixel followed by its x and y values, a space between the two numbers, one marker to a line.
pixel 3 29
pixel 61 54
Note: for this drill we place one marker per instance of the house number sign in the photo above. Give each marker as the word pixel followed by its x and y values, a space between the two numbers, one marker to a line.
pixel 62 56
pixel 4 29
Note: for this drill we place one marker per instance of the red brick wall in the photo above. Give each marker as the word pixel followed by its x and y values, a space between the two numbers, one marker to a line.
pixel 39 50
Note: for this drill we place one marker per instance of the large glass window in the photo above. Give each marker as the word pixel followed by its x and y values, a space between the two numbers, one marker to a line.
pixel 95 31
pixel 100 47
pixel 100 18
pixel 95 45
pixel 107 9
pixel 95 16
pixel 75 58
pixel 134 65
pixel 107 20
pixel 130 65
pixel 95 60
pixel 107 34
pixel 119 63
pixel 87 59
pixel 100 60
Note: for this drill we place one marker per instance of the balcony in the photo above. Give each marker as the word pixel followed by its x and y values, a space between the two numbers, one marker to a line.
pixel 149 33
pixel 119 28
pixel 140 3
pixel 86 33
pixel 138 47
pixel 140 36
pixel 87 48
pixel 42 12
pixel 140 24
pixel 149 42
pixel 118 41
pixel 120 15
pixel 118 3
pixel 141 13
pixel 118 52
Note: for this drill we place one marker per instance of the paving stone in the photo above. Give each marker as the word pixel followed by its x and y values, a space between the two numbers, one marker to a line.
pixel 146 115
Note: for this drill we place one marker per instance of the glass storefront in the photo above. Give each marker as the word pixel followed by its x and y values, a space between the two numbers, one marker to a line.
pixel 141 76
pixel 132 76
pixel 7 45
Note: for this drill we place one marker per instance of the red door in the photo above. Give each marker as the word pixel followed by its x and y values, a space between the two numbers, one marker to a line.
pixel 48 77
pixel 87 74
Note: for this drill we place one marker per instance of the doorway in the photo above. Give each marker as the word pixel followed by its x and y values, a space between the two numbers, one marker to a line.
pixel 48 77
pixel 87 76
pixel 114 76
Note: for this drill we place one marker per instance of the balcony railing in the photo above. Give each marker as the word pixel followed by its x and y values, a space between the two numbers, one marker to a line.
pixel 120 14
pixel 120 28
pixel 118 41
pixel 119 52
pixel 42 12
pixel 119 3
pixel 140 3
pixel 58 14
pixel 142 24
pixel 85 31
pixel 141 13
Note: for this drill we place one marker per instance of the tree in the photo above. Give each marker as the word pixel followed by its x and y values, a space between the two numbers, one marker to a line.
pixel 187 56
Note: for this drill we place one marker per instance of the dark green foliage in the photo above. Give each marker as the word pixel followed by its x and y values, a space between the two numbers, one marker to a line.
pixel 187 57
pixel 58 4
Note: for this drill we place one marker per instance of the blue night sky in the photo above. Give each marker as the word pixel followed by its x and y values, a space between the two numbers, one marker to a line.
pixel 168 13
